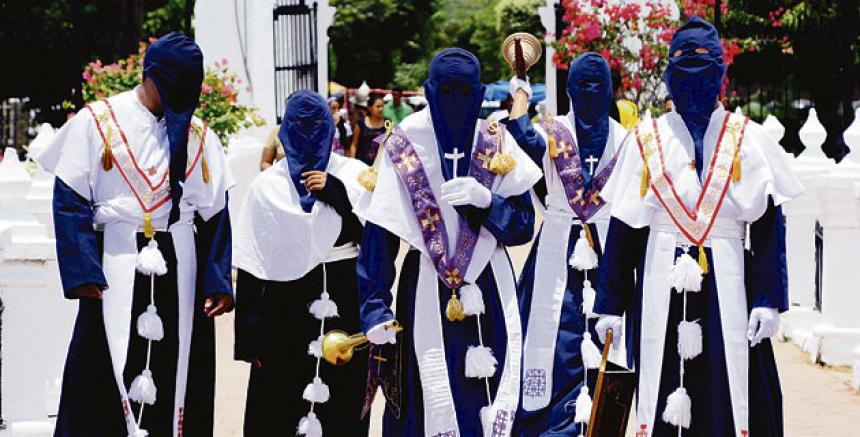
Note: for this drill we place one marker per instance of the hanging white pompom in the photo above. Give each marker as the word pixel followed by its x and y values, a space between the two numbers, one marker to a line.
pixel 588 296
pixel 143 389
pixel 590 353
pixel 150 261
pixel 679 408
pixel 310 426
pixel 689 340
pixel 583 256
pixel 472 299
pixel 139 433
pixel 583 406
pixel 315 347
pixel 149 324
pixel 686 274
pixel 316 392
pixel 480 362
pixel 324 307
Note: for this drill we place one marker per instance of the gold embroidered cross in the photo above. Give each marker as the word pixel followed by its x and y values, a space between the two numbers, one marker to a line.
pixel 452 277
pixel 595 197
pixel 734 129
pixel 566 149
pixel 409 160
pixel 578 198
pixel 486 158
pixel 380 359
pixel 430 219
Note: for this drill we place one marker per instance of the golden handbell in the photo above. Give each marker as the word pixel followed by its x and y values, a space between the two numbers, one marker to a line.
pixel 454 311
pixel 367 177
pixel 338 346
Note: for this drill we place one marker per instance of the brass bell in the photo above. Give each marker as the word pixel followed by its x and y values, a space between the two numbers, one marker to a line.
pixel 338 346
pixel 529 47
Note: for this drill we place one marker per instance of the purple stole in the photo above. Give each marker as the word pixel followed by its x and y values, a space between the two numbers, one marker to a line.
pixel 584 201
pixel 450 268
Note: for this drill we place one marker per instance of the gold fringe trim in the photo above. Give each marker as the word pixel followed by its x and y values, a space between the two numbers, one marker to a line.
pixel 454 311
pixel 148 230
pixel 703 259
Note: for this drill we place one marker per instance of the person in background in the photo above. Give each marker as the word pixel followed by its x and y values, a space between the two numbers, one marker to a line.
pixel 396 110
pixel 273 150
pixel 623 110
pixel 342 128
pixel 367 128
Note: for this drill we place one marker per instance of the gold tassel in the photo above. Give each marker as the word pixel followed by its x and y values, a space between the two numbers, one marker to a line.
pixel 643 186
pixel 107 157
pixel 454 310
pixel 736 167
pixel 205 168
pixel 367 179
pixel 502 163
pixel 588 236
pixel 703 259
pixel 148 230
pixel 553 151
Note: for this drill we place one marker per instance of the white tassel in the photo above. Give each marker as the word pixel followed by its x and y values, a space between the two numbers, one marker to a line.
pixel 139 433
pixel 480 362
pixel 324 307
pixel 143 390
pixel 310 426
pixel 689 340
pixel 149 324
pixel 315 348
pixel 583 406
pixel 150 261
pixel 686 274
pixel 588 296
pixel 472 299
pixel 590 353
pixel 316 392
pixel 679 407
pixel 583 256
pixel 486 417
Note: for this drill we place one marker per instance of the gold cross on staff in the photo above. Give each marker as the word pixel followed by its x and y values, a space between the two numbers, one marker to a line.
pixel 379 359
pixel 486 158
pixel 409 160
pixel 430 219
pixel 566 149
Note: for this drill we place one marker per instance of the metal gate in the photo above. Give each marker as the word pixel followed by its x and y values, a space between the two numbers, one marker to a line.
pixel 819 264
pixel 296 63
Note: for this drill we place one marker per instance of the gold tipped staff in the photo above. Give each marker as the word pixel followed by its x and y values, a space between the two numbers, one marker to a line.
pixel 338 346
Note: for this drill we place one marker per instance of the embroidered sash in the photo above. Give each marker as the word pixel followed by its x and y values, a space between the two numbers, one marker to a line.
pixel 410 170
pixel 697 224
pixel 149 195
pixel 585 201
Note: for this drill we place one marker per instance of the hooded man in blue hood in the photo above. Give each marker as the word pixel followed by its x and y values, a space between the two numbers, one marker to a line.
pixel 577 152
pixel 144 245
pixel 455 189
pixel 696 185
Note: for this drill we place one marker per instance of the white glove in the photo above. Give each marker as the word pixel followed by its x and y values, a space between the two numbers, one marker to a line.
pixel 766 320
pixel 466 191
pixel 607 322
pixel 519 84
pixel 380 334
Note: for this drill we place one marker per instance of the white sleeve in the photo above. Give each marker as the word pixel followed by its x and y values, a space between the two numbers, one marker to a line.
pixel 74 155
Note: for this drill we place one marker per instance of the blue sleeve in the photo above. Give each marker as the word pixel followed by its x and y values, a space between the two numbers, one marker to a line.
pixel 767 286
pixel 248 324
pixel 216 238
pixel 78 249
pixel 376 271
pixel 616 276
pixel 510 219
pixel 528 139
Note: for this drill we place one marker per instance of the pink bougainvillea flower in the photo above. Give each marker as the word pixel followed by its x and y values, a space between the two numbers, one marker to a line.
pixel 206 89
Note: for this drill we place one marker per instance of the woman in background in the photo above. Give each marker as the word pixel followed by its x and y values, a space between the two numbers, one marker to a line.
pixel 367 129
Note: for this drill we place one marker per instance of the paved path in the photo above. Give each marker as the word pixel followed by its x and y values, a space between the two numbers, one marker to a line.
pixel 819 401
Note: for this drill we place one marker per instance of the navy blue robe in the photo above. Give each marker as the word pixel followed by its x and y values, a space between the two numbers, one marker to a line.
pixel 511 221
pixel 90 402
pixel 706 379
pixel 273 324
pixel 556 419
